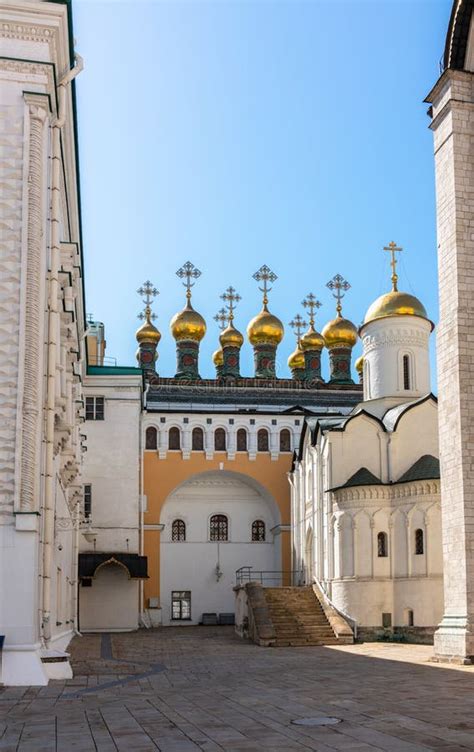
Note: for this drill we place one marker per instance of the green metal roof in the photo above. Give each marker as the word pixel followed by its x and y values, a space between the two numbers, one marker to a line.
pixel 426 468
pixel 113 371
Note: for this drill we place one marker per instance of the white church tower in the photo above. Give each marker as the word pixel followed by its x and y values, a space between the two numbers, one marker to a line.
pixel 395 336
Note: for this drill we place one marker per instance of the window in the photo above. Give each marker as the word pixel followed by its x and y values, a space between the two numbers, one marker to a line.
pixel 87 500
pixel 219 440
pixel 218 528
pixel 411 618
pixel 419 542
pixel 285 440
pixel 258 530
pixel 181 605
pixel 198 440
pixel 262 440
pixel 174 439
pixel 382 547
pixel 386 621
pixel 178 531
pixel 94 408
pixel 151 438
pixel 406 372
pixel 241 440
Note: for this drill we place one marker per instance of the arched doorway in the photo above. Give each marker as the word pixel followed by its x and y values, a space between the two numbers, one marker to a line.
pixel 226 522
pixel 309 556
pixel 108 602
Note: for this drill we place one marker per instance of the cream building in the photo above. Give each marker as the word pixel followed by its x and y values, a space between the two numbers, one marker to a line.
pixel 366 516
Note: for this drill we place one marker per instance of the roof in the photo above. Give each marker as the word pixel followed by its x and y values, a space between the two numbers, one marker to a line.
pixel 363 477
pixel 457 38
pixel 426 468
pixel 113 371
pixel 394 414
pixel 135 565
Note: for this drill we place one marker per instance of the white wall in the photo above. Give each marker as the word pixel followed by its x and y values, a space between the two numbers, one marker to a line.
pixel 111 603
pixel 191 565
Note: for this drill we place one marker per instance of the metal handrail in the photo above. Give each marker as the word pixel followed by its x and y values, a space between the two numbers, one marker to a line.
pixel 266 577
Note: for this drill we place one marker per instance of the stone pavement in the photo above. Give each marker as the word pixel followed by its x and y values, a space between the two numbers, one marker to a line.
pixel 201 688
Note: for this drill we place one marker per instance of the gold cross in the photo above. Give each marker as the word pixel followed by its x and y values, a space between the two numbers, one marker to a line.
pixel 221 317
pixel 189 271
pixel 338 283
pixel 312 305
pixel 265 275
pixel 230 298
pixel 147 291
pixel 298 324
pixel 392 248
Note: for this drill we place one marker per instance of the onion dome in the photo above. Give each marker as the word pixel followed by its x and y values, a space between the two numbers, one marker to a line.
pixel 265 328
pixel 231 337
pixel 395 303
pixel 312 340
pixel 148 333
pixel 340 332
pixel 296 360
pixel 188 324
pixel 359 365
pixel 218 358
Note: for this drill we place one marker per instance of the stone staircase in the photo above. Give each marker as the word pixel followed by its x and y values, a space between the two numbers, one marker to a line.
pixel 298 617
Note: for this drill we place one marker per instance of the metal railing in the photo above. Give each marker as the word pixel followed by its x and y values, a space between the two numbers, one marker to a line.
pixel 267 578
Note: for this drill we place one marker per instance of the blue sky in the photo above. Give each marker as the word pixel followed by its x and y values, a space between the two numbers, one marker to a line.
pixel 234 134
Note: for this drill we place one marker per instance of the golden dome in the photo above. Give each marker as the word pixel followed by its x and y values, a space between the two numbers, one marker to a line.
pixel 265 328
pixel 312 340
pixel 218 358
pixel 359 364
pixel 188 324
pixel 147 332
pixel 231 337
pixel 395 303
pixel 340 331
pixel 296 359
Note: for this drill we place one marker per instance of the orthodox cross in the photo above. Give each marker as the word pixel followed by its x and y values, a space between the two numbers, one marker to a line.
pixel 230 298
pixel 312 304
pixel 147 291
pixel 265 275
pixel 392 248
pixel 298 324
pixel 222 318
pixel 340 285
pixel 189 271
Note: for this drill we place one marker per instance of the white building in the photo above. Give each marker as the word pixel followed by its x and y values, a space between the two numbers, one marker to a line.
pixel 365 488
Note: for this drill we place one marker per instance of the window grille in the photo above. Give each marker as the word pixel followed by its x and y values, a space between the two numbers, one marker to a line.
pixel 241 440
pixel 258 530
pixel 219 440
pixel 218 528
pixel 174 438
pixel 181 605
pixel 382 547
pixel 406 372
pixel 262 440
pixel 285 440
pixel 94 408
pixel 198 440
pixel 178 531
pixel 151 438
pixel 87 500
pixel 419 542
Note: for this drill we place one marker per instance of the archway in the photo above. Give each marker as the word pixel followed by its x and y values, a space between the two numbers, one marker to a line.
pixel 108 601
pixel 219 510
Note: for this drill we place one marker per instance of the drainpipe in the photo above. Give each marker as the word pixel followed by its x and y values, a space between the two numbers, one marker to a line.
pixel 53 336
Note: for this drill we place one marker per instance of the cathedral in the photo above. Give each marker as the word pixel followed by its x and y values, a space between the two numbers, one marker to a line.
pixel 143 496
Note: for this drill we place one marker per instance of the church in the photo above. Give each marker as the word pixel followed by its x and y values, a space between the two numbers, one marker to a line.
pixel 146 495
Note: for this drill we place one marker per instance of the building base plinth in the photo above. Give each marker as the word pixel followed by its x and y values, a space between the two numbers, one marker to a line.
pixel 22 666
pixel 454 641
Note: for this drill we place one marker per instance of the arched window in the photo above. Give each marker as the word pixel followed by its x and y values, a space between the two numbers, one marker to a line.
pixel 419 542
pixel 151 438
pixel 174 438
pixel 382 545
pixel 406 372
pixel 262 440
pixel 258 530
pixel 285 440
pixel 219 440
pixel 198 440
pixel 178 531
pixel 218 528
pixel 241 440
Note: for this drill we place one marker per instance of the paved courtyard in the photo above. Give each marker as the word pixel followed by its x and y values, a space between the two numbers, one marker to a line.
pixel 200 688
